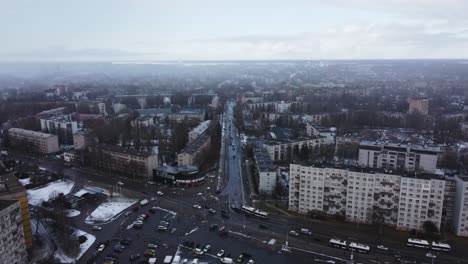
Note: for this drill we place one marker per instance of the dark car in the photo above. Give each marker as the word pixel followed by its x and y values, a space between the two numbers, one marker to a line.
pixel 262 226
pixel 213 227
pixel 224 214
pixel 126 242
pixel 136 208
pixel 134 256
pixel 119 248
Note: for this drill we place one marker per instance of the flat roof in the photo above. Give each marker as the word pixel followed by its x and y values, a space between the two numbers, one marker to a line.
pixel 402 146
pixel 194 145
pixel 202 126
pixel 178 169
pixel 6 203
pixel 121 150
pixel 10 185
pixel 30 133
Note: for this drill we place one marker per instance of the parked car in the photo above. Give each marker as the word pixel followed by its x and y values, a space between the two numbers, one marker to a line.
pixel 120 183
pixel 134 257
pixel 97 228
pixel 220 253
pixel 126 242
pixel 153 246
pixel 212 211
pixel 119 248
pixel 251 261
pixel 159 193
pixel 101 248
pixel 207 248
pixel 213 227
pixel 306 231
pixel 128 213
pixel 149 252
pixel 382 247
pixel 196 206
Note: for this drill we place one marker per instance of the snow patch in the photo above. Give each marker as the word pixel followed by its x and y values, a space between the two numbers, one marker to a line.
pixel 108 210
pixel 51 190
pixel 25 182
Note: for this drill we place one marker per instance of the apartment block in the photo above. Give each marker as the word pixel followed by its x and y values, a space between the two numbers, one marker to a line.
pixel 460 217
pixel 421 199
pixel 63 126
pixel 33 141
pixel 12 243
pixel 12 189
pixel 360 195
pixel 82 139
pixel 398 156
pixel 132 163
pixel 198 130
pixel 191 155
pixel 267 175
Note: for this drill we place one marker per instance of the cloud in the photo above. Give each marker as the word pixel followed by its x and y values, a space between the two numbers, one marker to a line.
pixel 358 41
pixel 62 53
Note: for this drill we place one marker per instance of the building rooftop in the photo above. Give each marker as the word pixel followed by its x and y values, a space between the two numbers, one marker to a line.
pixel 10 185
pixel 262 158
pixel 51 111
pixel 178 169
pixel 58 118
pixel 117 149
pixel 154 111
pixel 143 118
pixel 190 111
pixel 5 203
pixel 195 145
pixel 400 146
pixel 279 135
pixel 201 127
pixel 30 133
pixel 394 135
pixel 406 174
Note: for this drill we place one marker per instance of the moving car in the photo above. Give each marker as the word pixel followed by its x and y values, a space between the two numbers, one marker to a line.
pixel 159 193
pixel 212 211
pixel 196 206
pixel 134 257
pixel 382 247
pixel 306 231
pixel 97 228
pixel 293 233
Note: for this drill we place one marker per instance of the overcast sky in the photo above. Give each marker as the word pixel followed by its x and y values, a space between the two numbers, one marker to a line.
pixel 240 29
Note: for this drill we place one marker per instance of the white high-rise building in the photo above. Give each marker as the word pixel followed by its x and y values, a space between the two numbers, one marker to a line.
pixel 401 200
pixel 63 126
pixel 460 217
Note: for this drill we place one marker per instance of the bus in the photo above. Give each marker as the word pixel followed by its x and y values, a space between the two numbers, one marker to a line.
pixel 420 243
pixel 338 243
pixel 359 247
pixel 254 212
pixel 440 246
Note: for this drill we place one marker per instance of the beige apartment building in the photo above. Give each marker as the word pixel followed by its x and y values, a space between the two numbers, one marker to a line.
pixel 35 141
pixel 191 155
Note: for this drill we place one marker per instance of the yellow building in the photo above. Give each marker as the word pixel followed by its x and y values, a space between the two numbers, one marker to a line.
pixel 12 189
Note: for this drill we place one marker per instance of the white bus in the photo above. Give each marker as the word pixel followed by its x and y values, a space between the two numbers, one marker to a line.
pixel 255 212
pixel 338 243
pixel 440 246
pixel 359 247
pixel 420 243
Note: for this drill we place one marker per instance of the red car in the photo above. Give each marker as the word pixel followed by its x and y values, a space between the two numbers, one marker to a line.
pixel 136 208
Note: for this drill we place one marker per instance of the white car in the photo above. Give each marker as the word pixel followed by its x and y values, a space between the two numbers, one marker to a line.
pixel 120 183
pixel 101 248
pixel 159 193
pixel 293 233
pixel 97 228
pixel 430 255
pixel 382 247
pixel 220 253
pixel 198 251
pixel 251 261
pixel 206 248
pixel 196 206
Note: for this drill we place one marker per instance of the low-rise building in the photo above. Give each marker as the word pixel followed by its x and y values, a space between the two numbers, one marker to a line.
pixel 33 141
pixel 198 130
pixel 189 114
pixel 192 154
pixel 317 130
pixel 179 175
pixel 143 121
pixel 138 165
pixel 398 156
pixel 13 246
pixel 12 189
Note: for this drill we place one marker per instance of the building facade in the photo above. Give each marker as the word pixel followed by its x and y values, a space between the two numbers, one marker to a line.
pixel 134 164
pixel 363 196
pixel 33 141
pixel 418 105
pixel 62 126
pixel 12 243
pixel 460 217
pixel 12 189
pixel 192 154
pixel 281 150
pixel 398 156
pixel 267 174
pixel 82 139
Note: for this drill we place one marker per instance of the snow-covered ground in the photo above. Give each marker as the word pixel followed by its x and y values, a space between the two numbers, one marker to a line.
pixel 60 255
pixel 72 213
pixel 38 195
pixel 25 182
pixel 108 210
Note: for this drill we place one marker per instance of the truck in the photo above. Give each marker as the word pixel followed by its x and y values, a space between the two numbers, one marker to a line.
pixel 144 202
pixel 168 259
pixel 152 261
